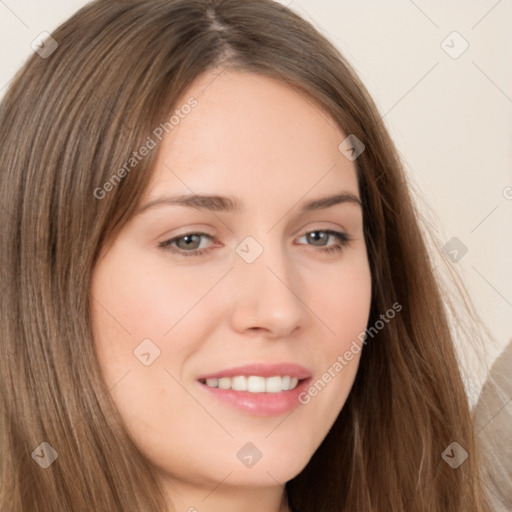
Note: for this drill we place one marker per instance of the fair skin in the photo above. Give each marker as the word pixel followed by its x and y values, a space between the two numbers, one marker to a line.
pixel 275 150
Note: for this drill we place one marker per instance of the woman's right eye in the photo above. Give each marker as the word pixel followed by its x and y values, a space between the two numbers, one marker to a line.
pixel 186 245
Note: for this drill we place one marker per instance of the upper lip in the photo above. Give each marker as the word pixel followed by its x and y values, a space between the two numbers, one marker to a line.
pixel 262 370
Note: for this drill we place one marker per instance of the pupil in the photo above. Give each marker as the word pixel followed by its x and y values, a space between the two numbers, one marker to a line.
pixel 317 235
pixel 188 240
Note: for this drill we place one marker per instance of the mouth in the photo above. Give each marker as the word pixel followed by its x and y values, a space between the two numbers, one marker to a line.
pixel 258 389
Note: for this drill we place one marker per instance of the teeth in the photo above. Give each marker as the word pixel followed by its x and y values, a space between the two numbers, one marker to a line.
pixel 239 383
pixel 224 383
pixel 254 383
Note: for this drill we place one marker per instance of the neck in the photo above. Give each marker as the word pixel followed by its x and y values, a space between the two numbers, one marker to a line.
pixel 226 498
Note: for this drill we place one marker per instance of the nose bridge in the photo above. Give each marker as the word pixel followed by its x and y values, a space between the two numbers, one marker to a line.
pixel 266 286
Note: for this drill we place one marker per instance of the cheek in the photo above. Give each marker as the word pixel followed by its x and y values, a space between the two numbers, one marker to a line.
pixel 147 298
pixel 341 299
pixel 343 308
pixel 140 307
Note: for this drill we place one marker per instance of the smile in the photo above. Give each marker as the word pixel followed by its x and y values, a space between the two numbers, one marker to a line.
pixel 254 383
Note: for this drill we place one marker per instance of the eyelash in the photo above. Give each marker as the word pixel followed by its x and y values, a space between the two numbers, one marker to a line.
pixel 343 241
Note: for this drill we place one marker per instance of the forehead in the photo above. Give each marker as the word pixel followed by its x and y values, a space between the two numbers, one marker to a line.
pixel 249 131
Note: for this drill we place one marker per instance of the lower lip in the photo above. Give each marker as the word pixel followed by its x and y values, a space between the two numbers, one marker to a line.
pixel 260 404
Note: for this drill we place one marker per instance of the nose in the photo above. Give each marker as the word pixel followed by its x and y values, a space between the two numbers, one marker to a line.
pixel 267 296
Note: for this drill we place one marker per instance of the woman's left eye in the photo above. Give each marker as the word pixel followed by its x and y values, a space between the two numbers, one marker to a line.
pixel 189 244
pixel 325 234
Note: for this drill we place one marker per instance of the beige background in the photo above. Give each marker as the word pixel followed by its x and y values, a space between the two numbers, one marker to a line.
pixel 451 118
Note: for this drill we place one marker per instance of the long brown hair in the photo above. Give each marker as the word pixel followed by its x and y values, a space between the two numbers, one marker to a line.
pixel 73 119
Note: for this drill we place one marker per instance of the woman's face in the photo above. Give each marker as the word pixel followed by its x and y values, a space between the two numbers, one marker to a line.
pixel 202 290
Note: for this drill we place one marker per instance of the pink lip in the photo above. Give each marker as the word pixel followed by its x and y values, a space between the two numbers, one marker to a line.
pixel 262 370
pixel 260 404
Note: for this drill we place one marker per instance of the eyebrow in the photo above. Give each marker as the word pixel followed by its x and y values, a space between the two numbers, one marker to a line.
pixel 230 204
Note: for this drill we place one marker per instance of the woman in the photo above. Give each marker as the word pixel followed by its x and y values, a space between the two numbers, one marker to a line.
pixel 298 358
